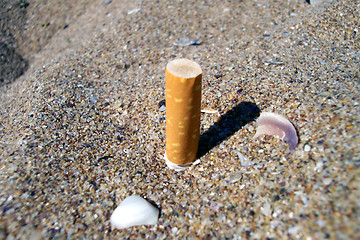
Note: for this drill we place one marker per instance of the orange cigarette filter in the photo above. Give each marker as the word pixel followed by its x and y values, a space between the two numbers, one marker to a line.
pixel 183 103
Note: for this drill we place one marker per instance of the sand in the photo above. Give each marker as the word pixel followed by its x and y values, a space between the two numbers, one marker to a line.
pixel 82 129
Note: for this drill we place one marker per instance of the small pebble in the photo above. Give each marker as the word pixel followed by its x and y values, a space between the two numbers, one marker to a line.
pixel 294 230
pixel 327 181
pixel 266 209
pixel 93 99
pixel 185 42
pixel 162 103
pixel 174 230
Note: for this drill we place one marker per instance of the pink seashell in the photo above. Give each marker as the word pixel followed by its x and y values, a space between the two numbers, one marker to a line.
pixel 277 125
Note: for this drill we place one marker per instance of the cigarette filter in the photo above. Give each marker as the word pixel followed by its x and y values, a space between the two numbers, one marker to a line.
pixel 183 103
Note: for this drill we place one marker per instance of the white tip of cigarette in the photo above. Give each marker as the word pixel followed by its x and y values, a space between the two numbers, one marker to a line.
pixel 184 68
pixel 174 166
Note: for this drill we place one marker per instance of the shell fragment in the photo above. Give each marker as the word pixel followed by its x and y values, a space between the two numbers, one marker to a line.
pixel 134 211
pixel 277 125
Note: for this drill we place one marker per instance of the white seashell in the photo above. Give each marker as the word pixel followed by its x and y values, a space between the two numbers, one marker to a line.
pixel 277 125
pixel 134 211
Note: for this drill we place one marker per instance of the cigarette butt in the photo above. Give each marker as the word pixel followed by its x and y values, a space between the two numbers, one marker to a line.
pixel 183 103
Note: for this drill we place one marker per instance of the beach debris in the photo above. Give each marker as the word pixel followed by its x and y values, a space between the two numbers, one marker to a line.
pixel 314 2
pixel 162 108
pixel 275 62
pixel 239 90
pixel 277 125
pixel 196 162
pixel 244 160
pixel 134 11
pixel 211 111
pixel 234 177
pixel 134 211
pixel 186 42
pixel 183 106
pixel 107 2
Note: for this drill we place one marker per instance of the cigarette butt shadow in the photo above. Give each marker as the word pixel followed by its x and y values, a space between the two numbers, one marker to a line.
pixel 229 123
pixel 155 205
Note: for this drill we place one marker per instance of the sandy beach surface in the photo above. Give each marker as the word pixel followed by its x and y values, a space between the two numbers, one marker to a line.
pixel 83 127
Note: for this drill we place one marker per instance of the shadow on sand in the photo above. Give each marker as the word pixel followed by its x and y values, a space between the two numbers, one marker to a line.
pixel 12 65
pixel 229 123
